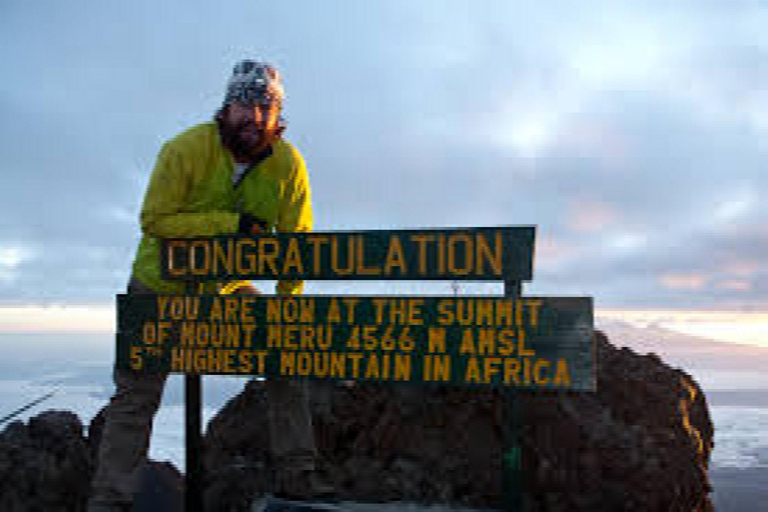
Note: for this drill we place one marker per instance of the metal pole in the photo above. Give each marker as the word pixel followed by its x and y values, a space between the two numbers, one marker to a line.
pixel 193 482
pixel 511 432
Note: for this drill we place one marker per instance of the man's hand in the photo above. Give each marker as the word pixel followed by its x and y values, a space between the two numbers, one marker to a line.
pixel 251 225
pixel 247 289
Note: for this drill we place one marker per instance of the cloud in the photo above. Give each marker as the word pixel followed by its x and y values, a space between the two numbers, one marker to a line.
pixel 11 257
pixel 632 134
pixel 589 216
pixel 739 285
pixel 33 318
pixel 684 281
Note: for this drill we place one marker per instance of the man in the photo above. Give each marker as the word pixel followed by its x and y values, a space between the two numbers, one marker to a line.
pixel 234 175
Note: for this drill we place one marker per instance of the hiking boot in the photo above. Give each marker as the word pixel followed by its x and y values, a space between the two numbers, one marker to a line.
pixel 302 484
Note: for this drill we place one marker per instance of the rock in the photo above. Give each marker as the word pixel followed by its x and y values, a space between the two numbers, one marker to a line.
pixel 161 488
pixel 44 465
pixel 641 442
pixel 47 464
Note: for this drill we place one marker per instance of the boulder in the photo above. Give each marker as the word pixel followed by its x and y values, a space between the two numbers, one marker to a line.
pixel 44 464
pixel 641 442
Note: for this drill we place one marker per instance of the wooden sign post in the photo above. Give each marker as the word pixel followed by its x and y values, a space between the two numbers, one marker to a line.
pixel 509 342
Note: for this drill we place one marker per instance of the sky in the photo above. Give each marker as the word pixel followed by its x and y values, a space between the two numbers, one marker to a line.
pixel 634 135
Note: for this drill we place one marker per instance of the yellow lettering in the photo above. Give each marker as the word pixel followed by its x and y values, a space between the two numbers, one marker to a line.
pixel 355 359
pixel 402 367
pixel 224 256
pixel 445 312
pixel 378 305
pixel 490 367
pixel 486 255
pixel 316 242
pixel 533 311
pixel 325 338
pixel 360 259
pixel 149 336
pixel 504 312
pixel 473 371
pixel 203 335
pixel 248 334
pixel 274 336
pixel 293 257
pixel 172 246
pixel 562 376
pixel 162 306
pixel 136 360
pixel 464 312
pixel 337 365
pixel 177 360
pixel 289 336
pixel 538 378
pixel 414 312
pixel 484 312
pixel 261 366
pixel 486 342
pixel 246 309
pixel 320 364
pixel 521 350
pixel 421 243
pixel 351 304
pixel 216 313
pixel 306 337
pixel 453 267
pixel 246 365
pixel 511 371
pixel 247 255
pixel 506 342
pixel 398 310
pixel 187 334
pixel 441 254
pixel 372 368
pixel 269 252
pixel 436 339
pixel 335 265
pixel 467 343
pixel 395 256
pixel 287 363
pixel 441 368
pixel 230 309
pixel 304 364
pixel 334 313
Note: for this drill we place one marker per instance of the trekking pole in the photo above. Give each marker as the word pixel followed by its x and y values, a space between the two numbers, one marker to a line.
pixel 31 404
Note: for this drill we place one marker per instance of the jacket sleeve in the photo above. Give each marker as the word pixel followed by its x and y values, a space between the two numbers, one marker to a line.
pixel 295 213
pixel 163 212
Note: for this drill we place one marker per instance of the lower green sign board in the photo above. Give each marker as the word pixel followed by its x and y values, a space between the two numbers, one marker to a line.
pixel 527 342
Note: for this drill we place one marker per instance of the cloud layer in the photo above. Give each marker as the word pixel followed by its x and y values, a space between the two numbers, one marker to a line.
pixel 633 134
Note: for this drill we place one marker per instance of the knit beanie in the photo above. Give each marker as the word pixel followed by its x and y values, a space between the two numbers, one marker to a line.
pixel 254 83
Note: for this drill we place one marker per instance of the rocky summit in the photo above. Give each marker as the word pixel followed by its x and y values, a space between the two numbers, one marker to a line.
pixel 45 464
pixel 642 442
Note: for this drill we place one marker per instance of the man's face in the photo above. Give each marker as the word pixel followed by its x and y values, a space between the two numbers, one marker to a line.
pixel 248 129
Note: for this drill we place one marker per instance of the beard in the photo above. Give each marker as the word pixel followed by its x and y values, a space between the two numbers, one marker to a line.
pixel 244 140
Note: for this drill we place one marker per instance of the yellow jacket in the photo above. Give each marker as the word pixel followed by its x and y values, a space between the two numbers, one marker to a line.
pixel 191 193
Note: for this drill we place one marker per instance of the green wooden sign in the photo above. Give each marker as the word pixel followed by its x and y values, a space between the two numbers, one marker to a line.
pixel 531 342
pixel 477 254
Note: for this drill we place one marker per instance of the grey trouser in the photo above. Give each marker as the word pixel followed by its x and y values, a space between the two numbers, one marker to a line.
pixel 128 426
